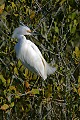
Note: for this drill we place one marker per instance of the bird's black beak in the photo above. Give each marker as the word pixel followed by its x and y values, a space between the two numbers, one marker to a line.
pixel 35 33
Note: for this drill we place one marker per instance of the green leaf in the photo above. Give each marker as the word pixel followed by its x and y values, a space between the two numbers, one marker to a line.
pixel 12 88
pixel 12 104
pixel 79 79
pixel 16 70
pixel 35 91
pixel 3 80
pixel 19 63
pixel 13 5
pixel 75 22
pixel 73 15
pixel 56 28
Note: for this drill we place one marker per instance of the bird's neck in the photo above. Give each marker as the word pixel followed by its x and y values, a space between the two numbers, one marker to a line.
pixel 21 39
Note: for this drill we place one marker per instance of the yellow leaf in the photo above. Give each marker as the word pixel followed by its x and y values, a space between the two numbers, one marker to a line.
pixel 79 91
pixel 35 91
pixel 1 100
pixel 27 84
pixel 5 92
pixel 62 1
pixel 12 64
pixel 26 72
pixel 77 52
pixel 56 28
pixel 3 80
pixel 19 63
pixel 13 5
pixel 16 71
pixel 8 82
pixel 32 15
pixel 58 88
pixel 22 108
pixel 34 77
pixel 22 68
pixel 16 15
pixel 77 55
pixel 12 104
pixel 12 88
pixel 18 94
pixel 4 107
pixel 74 88
pixel 2 8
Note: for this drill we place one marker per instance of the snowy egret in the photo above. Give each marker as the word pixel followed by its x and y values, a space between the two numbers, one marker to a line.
pixel 29 53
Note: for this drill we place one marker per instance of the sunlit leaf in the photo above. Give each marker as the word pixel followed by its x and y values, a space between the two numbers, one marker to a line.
pixel 62 1
pixel 16 70
pixel 2 8
pixel 4 107
pixel 16 15
pixel 58 88
pixel 75 22
pixel 56 28
pixel 73 15
pixel 77 52
pixel 32 15
pixel 8 82
pixel 3 80
pixel 77 55
pixel 13 5
pixel 34 77
pixel 1 100
pixel 12 104
pixel 11 63
pixel 17 95
pixel 19 63
pixel 27 84
pixel 35 91
pixel 5 92
pixel 74 88
pixel 12 88
pixel 22 108
pixel 26 73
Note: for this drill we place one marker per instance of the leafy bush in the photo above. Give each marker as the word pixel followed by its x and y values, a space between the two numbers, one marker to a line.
pixel 22 95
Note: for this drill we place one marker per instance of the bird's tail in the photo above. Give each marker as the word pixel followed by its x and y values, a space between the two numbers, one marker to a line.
pixel 50 70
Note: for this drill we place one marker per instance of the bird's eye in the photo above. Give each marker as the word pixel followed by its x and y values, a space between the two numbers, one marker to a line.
pixel 29 31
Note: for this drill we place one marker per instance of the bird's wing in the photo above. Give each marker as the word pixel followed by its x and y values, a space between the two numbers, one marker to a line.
pixel 34 59
pixel 35 48
pixel 48 69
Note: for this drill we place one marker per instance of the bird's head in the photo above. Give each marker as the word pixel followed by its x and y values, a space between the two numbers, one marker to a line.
pixel 21 30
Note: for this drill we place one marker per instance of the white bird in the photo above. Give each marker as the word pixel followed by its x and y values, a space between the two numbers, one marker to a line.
pixel 29 53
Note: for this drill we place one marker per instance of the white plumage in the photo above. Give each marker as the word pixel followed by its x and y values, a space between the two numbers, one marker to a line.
pixel 29 53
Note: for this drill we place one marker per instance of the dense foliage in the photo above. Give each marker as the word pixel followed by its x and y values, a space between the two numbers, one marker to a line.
pixel 22 96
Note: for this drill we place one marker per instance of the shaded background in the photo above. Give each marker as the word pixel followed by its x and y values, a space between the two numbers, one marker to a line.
pixel 22 96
